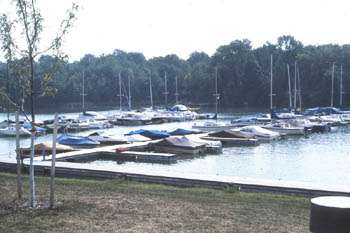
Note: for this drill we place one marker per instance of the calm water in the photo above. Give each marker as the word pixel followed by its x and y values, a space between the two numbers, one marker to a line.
pixel 318 158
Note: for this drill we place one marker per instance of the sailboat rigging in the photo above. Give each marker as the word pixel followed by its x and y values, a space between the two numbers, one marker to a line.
pixel 332 87
pixel 289 88
pixel 216 95
pixel 165 90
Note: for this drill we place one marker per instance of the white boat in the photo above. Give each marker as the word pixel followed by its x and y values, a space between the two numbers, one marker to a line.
pixel 212 146
pixel 180 112
pixel 284 128
pixel 332 120
pixel 133 118
pixel 78 126
pixel 210 126
pixel 91 115
pixel 5 123
pixel 10 131
pixel 136 138
pixel 99 124
pixel 309 127
pixel 345 117
pixel 253 131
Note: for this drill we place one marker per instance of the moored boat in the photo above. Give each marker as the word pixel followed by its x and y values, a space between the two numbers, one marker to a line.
pixel 10 131
pixel 231 138
pixel 77 141
pixel 284 128
pixel 212 126
pixel 179 146
pixel 257 132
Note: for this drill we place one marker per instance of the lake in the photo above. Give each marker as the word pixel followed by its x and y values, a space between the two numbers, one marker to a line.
pixel 316 158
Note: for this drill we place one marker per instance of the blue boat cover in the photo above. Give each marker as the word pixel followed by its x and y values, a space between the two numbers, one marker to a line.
pixel 180 131
pixel 75 140
pixel 28 126
pixel 322 111
pixel 152 134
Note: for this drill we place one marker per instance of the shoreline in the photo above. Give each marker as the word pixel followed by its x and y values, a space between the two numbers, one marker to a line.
pixel 71 170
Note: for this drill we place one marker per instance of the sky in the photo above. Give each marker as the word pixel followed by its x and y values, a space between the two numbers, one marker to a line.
pixel 162 27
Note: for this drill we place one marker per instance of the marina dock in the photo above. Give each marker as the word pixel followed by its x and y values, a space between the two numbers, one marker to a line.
pixel 122 152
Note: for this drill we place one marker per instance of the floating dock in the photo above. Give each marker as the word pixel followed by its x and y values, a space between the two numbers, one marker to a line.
pixel 124 152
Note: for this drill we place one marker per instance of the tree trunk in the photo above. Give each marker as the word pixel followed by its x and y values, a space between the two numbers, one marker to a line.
pixel 31 170
pixel 18 158
pixel 31 61
pixel 8 91
pixel 31 166
pixel 53 159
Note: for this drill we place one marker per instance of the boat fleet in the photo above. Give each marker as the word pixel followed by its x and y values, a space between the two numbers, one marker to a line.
pixel 313 120
pixel 89 120
pixel 204 137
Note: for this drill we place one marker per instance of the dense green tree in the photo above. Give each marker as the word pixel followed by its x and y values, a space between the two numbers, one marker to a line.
pixel 243 76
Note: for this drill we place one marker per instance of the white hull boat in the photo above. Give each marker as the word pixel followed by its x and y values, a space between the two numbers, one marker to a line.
pixel 11 132
pixel 285 129
pixel 212 127
pixel 257 132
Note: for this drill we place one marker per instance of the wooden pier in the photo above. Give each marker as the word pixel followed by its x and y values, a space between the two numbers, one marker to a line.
pixel 124 152
pixel 148 157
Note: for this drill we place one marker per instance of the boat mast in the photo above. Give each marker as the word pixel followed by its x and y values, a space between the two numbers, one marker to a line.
pixel 8 92
pixel 299 91
pixel 295 85
pixel 120 91
pixel 165 90
pixel 176 91
pixel 83 92
pixel 216 95
pixel 129 96
pixel 332 91
pixel 150 88
pixel 341 86
pixel 289 88
pixel 271 77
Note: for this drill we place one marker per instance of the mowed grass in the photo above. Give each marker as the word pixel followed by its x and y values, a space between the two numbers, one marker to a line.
pixel 117 205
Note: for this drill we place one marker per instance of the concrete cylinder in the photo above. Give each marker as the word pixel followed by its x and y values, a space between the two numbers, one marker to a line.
pixel 330 214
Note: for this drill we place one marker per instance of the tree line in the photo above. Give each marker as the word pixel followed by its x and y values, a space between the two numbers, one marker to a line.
pixel 243 75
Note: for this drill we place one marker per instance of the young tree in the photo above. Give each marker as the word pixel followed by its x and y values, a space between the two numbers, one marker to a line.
pixel 6 39
pixel 30 21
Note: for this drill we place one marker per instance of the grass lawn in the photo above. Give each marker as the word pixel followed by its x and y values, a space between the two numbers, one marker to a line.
pixel 118 205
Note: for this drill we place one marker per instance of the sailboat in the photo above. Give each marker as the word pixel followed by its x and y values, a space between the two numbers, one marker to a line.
pixel 87 119
pixel 133 117
pixel 276 125
pixel 211 126
pixel 10 131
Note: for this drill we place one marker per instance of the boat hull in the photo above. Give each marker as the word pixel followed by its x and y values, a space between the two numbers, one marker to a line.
pixel 212 128
pixel 287 131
